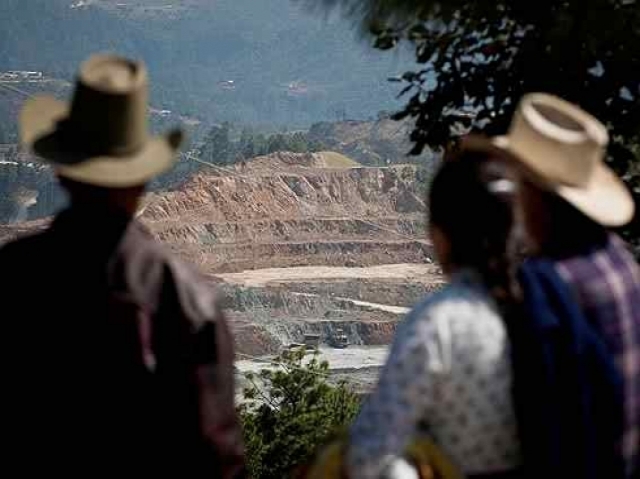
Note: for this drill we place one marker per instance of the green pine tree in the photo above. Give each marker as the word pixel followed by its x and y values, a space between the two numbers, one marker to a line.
pixel 290 412
pixel 218 148
pixel 246 146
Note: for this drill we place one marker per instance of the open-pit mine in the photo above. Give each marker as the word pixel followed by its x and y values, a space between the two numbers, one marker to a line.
pixel 301 249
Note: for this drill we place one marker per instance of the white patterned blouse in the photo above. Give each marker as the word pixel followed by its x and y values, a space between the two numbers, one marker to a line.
pixel 448 375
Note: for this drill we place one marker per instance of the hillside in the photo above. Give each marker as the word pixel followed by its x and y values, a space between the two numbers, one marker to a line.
pixel 266 63
pixel 13 95
pixel 298 247
pixel 141 9
pixel 346 144
pixel 290 203
pixel 379 142
pixel 278 210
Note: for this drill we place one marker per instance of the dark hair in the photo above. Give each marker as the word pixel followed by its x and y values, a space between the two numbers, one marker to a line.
pixel 569 231
pixel 471 201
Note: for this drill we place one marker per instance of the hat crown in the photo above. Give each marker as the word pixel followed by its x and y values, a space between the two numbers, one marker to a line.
pixel 101 138
pixel 109 109
pixel 559 141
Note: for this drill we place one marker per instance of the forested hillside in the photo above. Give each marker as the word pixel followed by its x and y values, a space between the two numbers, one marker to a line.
pixel 244 61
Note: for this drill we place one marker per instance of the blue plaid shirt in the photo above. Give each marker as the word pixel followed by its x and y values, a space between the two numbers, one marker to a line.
pixel 607 286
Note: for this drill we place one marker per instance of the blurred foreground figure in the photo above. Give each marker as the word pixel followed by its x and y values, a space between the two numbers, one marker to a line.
pixel 117 356
pixel 588 417
pixel 448 375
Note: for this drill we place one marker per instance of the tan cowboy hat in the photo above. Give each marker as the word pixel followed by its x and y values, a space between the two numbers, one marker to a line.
pixel 563 147
pixel 101 138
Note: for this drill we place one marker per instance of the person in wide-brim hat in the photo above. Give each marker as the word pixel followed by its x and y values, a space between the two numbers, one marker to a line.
pixel 101 137
pixel 570 202
pixel 561 148
pixel 135 340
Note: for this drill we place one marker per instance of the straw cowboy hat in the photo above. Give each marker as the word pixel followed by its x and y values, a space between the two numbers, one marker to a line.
pixel 101 138
pixel 563 148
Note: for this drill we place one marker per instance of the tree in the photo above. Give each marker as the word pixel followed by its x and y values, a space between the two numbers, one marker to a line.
pixel 277 142
pixel 298 143
pixel 247 147
pixel 261 145
pixel 289 412
pixel 481 56
pixel 218 148
pixel 477 58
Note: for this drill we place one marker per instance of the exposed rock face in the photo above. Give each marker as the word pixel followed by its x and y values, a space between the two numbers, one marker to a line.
pixel 399 293
pixel 287 211
pixel 409 202
pixel 318 193
pixel 363 303
pixel 28 189
pixel 291 213
pixel 9 232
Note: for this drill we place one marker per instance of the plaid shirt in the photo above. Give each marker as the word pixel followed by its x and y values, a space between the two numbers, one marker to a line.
pixel 607 285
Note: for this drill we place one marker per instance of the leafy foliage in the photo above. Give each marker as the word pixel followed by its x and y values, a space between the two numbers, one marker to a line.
pixel 481 56
pixel 478 57
pixel 220 148
pixel 290 411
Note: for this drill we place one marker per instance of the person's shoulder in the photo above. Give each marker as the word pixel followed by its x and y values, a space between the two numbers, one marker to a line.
pixel 157 276
pixel 182 271
pixel 197 296
pixel 452 324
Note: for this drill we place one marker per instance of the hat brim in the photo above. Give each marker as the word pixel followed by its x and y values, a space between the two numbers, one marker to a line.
pixel 39 120
pixel 605 198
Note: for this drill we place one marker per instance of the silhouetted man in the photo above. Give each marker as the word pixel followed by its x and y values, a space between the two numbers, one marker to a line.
pixel 117 357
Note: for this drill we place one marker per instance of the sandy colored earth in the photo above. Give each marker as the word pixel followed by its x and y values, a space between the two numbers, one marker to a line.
pixel 301 244
pixel 274 276
pixel 356 357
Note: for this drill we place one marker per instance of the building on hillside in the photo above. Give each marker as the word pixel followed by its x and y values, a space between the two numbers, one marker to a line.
pixel 21 76
pixel 227 84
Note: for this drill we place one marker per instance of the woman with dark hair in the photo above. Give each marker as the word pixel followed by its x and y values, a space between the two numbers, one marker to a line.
pixel 449 372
